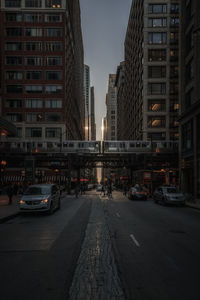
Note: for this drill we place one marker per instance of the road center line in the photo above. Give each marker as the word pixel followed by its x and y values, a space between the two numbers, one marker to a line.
pixel 134 240
pixel 118 215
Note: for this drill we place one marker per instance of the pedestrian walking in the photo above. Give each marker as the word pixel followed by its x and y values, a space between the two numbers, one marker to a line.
pixel 10 192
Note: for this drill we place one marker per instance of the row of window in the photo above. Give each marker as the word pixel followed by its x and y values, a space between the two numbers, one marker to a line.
pixel 160 71
pixel 162 22
pixel 160 88
pixel 160 122
pixel 33 60
pixel 160 38
pixel 37 132
pixel 33 17
pixel 34 117
pixel 161 55
pixel 34 89
pixel 34 3
pixel 33 103
pixel 33 32
pixel 33 46
pixel 156 105
pixel 34 75
pixel 162 8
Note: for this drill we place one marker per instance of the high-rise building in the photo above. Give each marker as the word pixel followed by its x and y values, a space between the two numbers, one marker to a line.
pixel 42 68
pixel 111 105
pixel 151 99
pixel 190 98
pixel 87 101
pixel 92 115
pixel 119 83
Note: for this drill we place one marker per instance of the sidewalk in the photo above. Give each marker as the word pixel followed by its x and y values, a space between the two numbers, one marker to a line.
pixel 193 204
pixel 8 211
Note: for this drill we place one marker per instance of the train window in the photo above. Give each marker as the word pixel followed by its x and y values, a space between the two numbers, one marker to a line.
pixel 132 145
pixel 137 144
pixel 49 145
pixel 39 145
pixel 71 145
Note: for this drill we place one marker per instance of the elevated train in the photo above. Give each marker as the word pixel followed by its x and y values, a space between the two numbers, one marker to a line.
pixel 96 147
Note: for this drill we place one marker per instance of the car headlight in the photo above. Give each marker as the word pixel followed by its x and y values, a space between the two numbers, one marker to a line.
pixel 45 201
pixel 21 201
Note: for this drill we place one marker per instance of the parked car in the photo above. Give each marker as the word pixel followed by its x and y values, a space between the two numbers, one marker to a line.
pixel 40 197
pixel 137 193
pixel 168 195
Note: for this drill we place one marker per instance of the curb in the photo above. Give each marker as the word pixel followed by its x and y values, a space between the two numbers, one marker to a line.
pixel 9 217
pixel 192 205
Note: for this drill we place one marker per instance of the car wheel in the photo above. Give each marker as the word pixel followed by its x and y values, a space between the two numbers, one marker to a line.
pixel 51 209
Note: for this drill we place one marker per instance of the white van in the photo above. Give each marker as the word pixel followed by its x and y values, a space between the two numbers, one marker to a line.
pixel 40 197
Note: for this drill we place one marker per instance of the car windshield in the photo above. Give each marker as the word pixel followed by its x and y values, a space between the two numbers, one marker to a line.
pixel 139 188
pixel 35 190
pixel 171 190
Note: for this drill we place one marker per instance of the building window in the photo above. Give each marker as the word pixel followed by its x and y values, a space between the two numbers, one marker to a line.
pixel 174 38
pixel 14 89
pixel 13 17
pixel 33 75
pixel 33 31
pixel 19 132
pixel 157 37
pixel 54 61
pixel 33 46
pixel 53 103
pixel 34 117
pixel 157 8
pixel 33 61
pixel 53 3
pixel 33 89
pixel 156 136
pixel 33 3
pixel 14 75
pixel 53 46
pixel 156 55
pixel 156 105
pixel 12 3
pixel 13 46
pixel 33 132
pixel 174 8
pixel 33 17
pixel 53 89
pixel 13 60
pixel 33 103
pixel 53 75
pixel 52 132
pixel 174 88
pixel 157 22
pixel 157 88
pixel 174 136
pixel 174 71
pixel 174 55
pixel 53 117
pixel 157 72
pixel 13 31
pixel 14 117
pixel 173 122
pixel 53 32
pixel 156 122
pixel 174 22
pixel 13 103
pixel 53 17
pixel 174 105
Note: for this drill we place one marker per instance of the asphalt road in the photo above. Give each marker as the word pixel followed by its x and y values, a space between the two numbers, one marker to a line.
pixel 99 248
pixel 157 249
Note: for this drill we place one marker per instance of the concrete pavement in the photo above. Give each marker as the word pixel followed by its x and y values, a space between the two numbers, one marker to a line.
pixel 8 211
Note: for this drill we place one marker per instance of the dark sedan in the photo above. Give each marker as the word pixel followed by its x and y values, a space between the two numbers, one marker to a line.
pixel 137 193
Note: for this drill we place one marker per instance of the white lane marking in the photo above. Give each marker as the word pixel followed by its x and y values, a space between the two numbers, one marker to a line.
pixel 118 215
pixel 134 239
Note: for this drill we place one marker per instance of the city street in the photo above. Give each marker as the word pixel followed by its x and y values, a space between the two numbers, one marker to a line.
pixel 100 248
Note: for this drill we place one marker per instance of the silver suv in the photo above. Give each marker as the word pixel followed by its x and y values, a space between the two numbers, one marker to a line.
pixel 40 197
pixel 168 195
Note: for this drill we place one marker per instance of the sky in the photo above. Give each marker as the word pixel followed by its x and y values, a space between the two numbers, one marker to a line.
pixel 104 24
